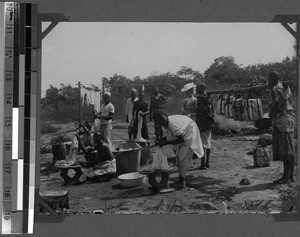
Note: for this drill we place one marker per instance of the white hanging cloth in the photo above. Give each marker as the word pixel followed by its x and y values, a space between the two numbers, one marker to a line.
pixel 139 132
pixel 97 100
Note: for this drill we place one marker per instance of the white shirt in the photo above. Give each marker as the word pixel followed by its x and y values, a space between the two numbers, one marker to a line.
pixel 104 111
pixel 129 107
pixel 185 126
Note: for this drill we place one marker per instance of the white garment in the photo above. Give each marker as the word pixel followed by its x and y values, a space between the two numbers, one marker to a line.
pixel 96 125
pixel 92 97
pixel 83 93
pixel 139 130
pixel 73 150
pixel 97 100
pixel 185 126
pixel 129 107
pixel 105 110
pixel 189 107
pixel 206 139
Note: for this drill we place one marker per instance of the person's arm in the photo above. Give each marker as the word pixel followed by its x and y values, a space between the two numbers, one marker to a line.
pixel 127 110
pixel 95 114
pixel 151 109
pixel 274 105
pixel 183 107
pixel 147 110
pixel 134 110
pixel 163 142
pixel 109 154
pixel 212 106
pixel 80 144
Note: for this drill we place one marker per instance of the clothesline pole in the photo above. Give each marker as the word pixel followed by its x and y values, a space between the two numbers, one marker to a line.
pixel 79 105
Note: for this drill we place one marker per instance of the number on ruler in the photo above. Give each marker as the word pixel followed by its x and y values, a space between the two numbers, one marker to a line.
pixel 8 169
pixel 8 123
pixel 9 29
pixel 10 9
pixel 7 146
pixel 9 52
pixel 7 216
pixel 9 76
pixel 8 99
pixel 6 193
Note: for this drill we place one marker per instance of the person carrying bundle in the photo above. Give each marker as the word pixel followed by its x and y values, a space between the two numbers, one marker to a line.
pixel 139 112
pixel 284 126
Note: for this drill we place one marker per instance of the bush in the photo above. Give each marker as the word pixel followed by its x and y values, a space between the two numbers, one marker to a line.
pixel 48 129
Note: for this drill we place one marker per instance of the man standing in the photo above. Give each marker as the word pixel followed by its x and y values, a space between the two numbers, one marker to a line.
pixel 183 133
pixel 107 111
pixel 139 112
pixel 284 126
pixel 157 106
pixel 205 122
pixel 129 107
pixel 189 104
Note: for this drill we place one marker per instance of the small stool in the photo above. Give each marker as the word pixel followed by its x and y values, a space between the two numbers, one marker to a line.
pixel 67 178
pixel 162 185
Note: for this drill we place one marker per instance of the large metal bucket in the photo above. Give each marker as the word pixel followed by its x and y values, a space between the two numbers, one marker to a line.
pixel 128 157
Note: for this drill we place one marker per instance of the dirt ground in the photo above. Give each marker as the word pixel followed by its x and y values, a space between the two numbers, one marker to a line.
pixel 214 190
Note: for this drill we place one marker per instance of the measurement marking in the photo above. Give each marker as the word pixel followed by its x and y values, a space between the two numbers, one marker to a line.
pixel 15 134
pixel 20 185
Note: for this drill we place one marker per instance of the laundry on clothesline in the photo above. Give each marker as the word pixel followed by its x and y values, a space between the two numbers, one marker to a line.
pixel 91 96
pixel 239 109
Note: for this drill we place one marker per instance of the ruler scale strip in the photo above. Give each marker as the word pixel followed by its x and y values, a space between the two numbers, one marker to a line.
pixel 7 130
pixel 21 59
pixel 27 170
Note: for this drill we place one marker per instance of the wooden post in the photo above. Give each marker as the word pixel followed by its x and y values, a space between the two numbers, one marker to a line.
pixel 79 105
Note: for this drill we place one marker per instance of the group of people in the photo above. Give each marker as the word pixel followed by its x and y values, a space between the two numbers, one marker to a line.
pixel 136 110
pixel 190 132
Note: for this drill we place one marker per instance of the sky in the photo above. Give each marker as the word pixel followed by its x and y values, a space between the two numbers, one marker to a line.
pixel 86 52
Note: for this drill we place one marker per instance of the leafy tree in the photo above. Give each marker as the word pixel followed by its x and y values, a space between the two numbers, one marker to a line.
pixel 222 73
pixel 64 95
pixel 190 74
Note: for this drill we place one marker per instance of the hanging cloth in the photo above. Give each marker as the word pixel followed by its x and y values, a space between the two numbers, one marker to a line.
pixel 253 109
pixel 220 110
pixel 97 100
pixel 228 106
pixel 139 132
pixel 83 95
pixel 238 109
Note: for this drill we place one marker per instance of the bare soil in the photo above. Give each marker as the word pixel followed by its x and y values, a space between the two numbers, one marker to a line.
pixel 214 190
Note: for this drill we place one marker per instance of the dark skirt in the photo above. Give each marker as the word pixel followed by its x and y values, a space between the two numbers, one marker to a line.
pixel 283 145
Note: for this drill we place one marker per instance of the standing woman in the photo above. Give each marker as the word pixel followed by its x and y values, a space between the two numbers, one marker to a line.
pixel 189 104
pixel 129 107
pixel 139 111
pixel 284 125
pixel 205 122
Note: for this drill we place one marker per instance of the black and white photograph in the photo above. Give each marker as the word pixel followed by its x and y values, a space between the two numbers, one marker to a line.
pixel 149 118
pixel 152 118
